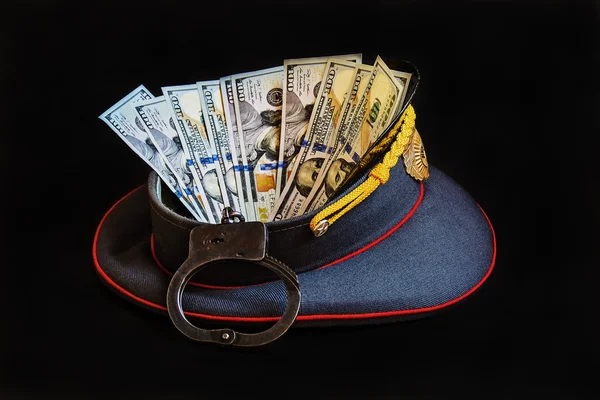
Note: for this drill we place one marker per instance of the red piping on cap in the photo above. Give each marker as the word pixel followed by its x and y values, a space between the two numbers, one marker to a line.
pixel 339 260
pixel 388 233
pixel 300 317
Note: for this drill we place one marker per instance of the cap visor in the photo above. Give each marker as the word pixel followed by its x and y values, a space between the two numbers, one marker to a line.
pixel 433 257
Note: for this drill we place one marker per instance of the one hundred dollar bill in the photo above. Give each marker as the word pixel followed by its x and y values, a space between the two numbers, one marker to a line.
pixel 242 180
pixel 214 119
pixel 161 129
pixel 258 97
pixel 404 79
pixel 319 138
pixel 328 180
pixel 124 120
pixel 380 102
pixel 185 109
pixel 302 81
pixel 379 98
pixel 319 195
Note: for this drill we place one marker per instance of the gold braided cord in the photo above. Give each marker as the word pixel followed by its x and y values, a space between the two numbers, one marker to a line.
pixel 379 175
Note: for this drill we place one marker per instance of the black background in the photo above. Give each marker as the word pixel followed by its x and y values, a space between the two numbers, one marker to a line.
pixel 506 107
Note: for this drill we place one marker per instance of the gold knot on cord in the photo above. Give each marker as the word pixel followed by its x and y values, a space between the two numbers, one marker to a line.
pixel 379 175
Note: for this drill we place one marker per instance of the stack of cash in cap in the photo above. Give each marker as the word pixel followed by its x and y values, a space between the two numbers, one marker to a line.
pixel 272 144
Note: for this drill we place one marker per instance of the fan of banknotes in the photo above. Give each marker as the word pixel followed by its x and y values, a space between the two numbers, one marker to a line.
pixel 271 144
